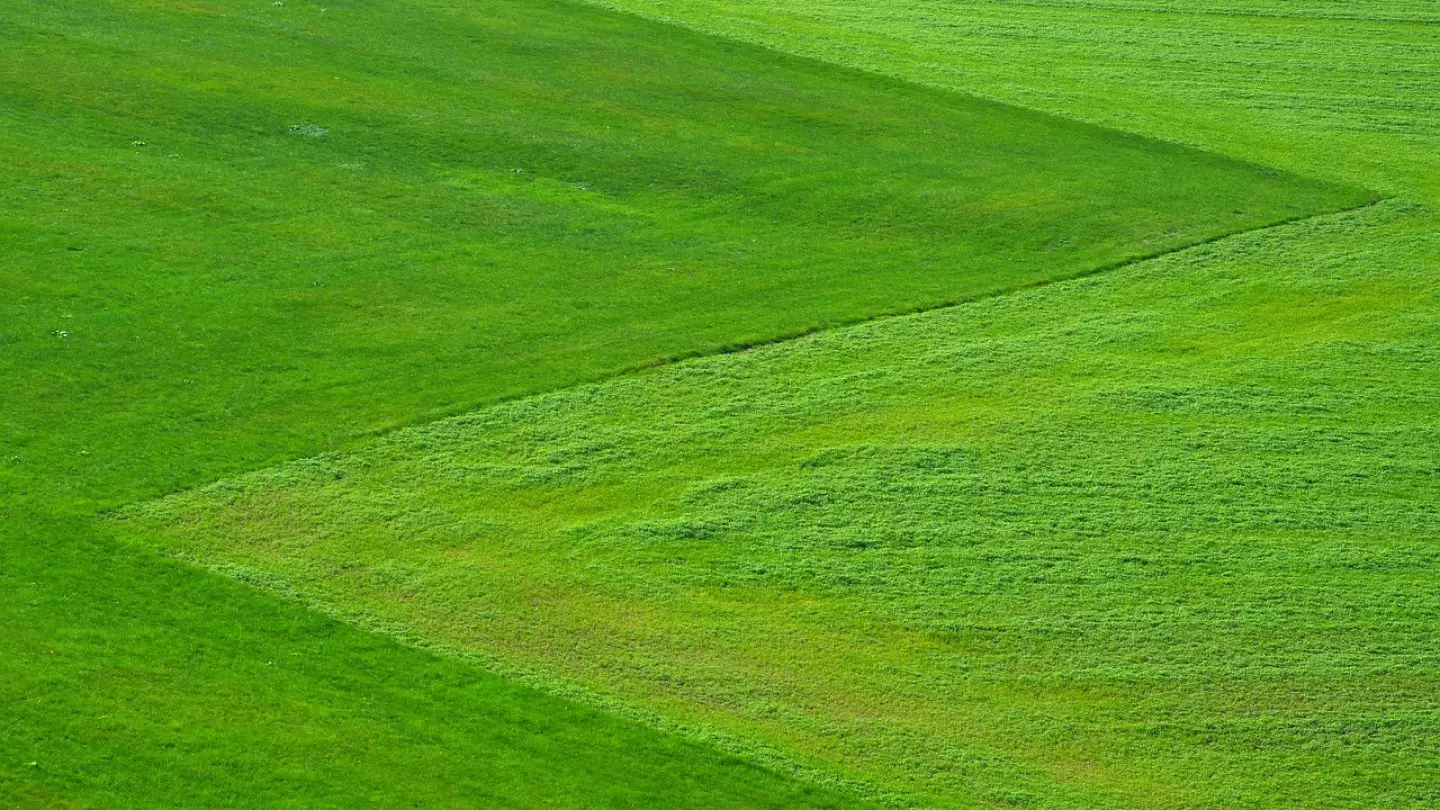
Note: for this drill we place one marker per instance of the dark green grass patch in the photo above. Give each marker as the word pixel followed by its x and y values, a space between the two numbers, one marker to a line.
pixel 1161 538
pixel 225 214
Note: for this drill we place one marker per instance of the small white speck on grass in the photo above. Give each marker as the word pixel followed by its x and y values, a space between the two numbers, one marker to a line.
pixel 137 143
pixel 309 130
pixel 61 333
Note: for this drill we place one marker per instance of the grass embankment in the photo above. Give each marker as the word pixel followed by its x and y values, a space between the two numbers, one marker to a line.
pixel 236 233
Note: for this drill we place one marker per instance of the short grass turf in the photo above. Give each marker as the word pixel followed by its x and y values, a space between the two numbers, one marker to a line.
pixel 235 233
pixel 133 682
pixel 1160 539
pixel 1324 87
pixel 326 231
pixel 204 203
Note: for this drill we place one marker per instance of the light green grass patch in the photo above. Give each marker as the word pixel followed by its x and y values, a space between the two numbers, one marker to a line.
pixel 1322 87
pixel 1161 538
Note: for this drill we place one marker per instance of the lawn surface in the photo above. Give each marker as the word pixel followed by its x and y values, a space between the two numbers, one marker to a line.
pixel 235 234
pixel 1323 87
pixel 1161 538
pixel 326 232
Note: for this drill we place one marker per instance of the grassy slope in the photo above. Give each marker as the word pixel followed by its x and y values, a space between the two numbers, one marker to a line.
pixel 235 292
pixel 1211 578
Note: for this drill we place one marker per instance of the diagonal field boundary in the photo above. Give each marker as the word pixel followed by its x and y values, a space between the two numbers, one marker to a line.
pixel 764 755
pixel 1377 199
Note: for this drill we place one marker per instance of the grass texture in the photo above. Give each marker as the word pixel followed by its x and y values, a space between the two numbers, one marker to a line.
pixel 1162 538
pixel 237 233
pixel 135 682
pixel 325 232
pixel 1325 88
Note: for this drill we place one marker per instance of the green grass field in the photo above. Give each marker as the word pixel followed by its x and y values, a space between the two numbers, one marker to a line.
pixel 1159 539
pixel 503 200
pixel 1159 535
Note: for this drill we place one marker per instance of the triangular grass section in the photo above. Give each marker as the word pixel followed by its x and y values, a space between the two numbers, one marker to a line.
pixel 132 681
pixel 1159 538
